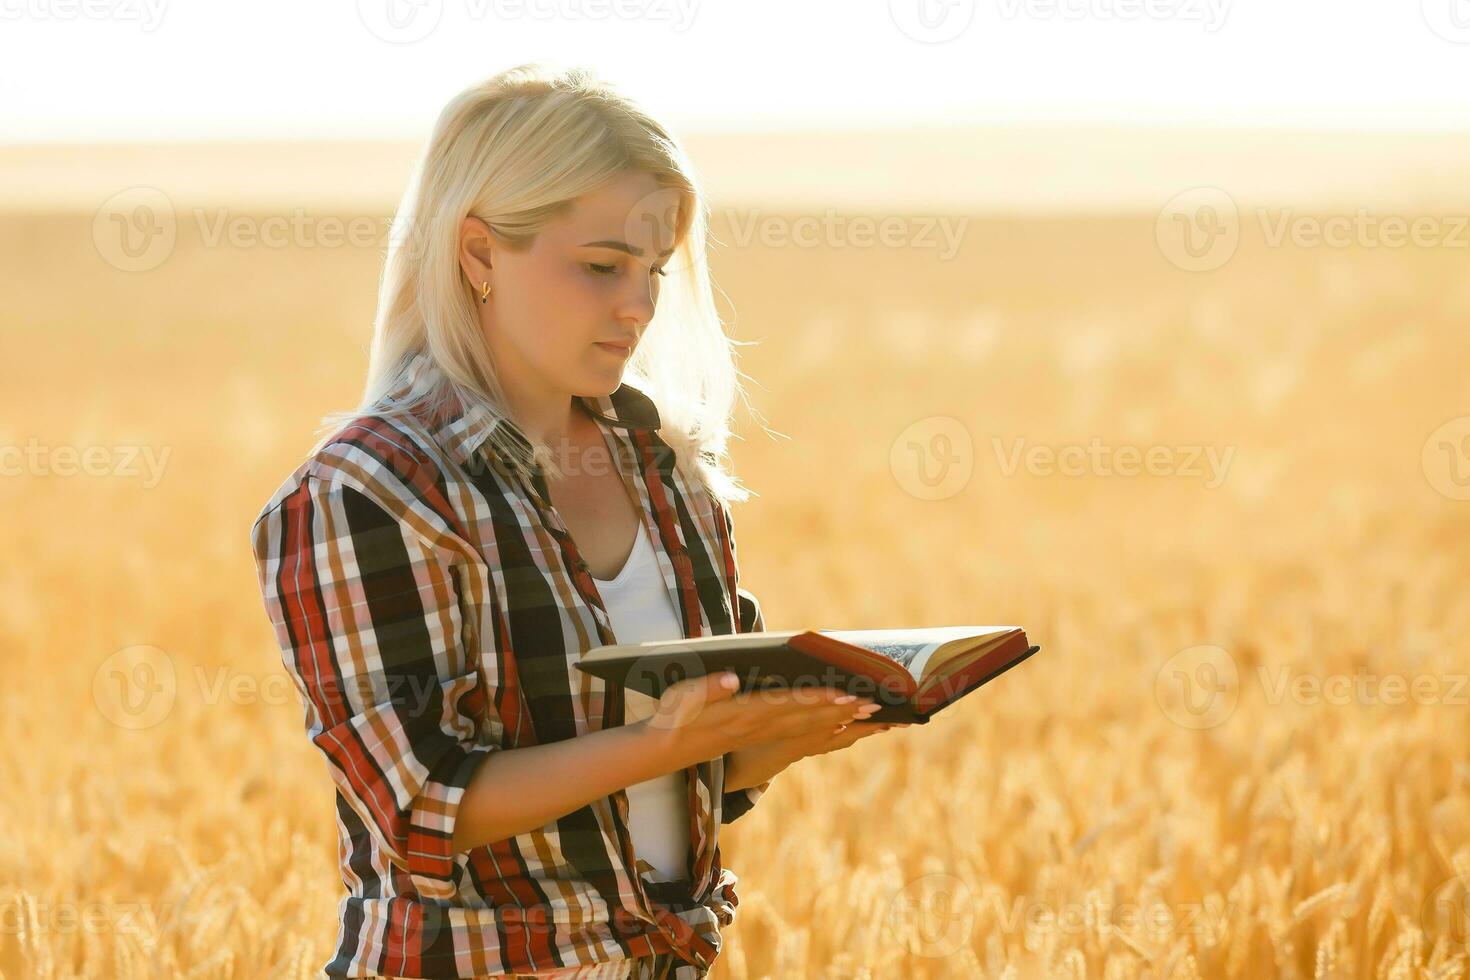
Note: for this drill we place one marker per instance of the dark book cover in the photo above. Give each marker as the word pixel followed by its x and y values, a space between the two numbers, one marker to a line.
pixel 885 665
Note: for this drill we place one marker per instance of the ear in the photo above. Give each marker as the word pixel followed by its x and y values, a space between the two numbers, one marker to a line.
pixel 476 250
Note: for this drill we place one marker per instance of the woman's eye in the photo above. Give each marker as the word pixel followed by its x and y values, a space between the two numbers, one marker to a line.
pixel 608 270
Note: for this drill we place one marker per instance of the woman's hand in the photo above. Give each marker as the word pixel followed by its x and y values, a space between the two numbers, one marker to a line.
pixel 702 718
pixel 824 742
pixel 753 766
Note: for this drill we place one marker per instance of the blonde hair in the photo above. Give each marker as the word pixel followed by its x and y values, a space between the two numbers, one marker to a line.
pixel 514 151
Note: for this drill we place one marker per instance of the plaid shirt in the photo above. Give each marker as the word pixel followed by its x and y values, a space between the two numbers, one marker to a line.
pixel 430 608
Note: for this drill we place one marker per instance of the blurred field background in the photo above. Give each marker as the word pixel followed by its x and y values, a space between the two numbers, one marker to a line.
pixel 1175 786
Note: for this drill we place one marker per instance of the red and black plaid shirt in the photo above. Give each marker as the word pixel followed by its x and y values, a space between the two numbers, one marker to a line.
pixel 430 608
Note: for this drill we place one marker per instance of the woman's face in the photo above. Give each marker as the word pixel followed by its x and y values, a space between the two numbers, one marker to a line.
pixel 590 278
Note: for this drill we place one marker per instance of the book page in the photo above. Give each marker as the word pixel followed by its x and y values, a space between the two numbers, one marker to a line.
pixel 911 648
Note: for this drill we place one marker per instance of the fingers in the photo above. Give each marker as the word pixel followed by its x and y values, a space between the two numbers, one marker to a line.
pixel 706 689
pixel 859 712
pixel 874 727
pixel 814 705
pixel 717 686
pixel 684 702
pixel 865 728
pixel 854 731
pixel 830 718
pixel 806 695
pixel 788 721
pixel 843 737
pixel 803 712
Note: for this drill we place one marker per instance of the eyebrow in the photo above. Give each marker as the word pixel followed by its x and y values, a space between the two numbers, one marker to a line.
pixel 632 250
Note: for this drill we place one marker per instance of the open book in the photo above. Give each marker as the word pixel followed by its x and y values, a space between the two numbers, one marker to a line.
pixel 913 673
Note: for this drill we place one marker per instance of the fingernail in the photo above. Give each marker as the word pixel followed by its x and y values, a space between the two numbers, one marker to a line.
pixel 866 710
pixel 846 699
pixel 729 682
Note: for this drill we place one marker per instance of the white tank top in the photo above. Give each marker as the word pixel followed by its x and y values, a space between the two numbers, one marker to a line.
pixel 638 604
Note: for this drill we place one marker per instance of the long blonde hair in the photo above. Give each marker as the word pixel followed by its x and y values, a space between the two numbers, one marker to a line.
pixel 514 150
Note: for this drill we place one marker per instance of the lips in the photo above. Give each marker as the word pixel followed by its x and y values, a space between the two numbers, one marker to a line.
pixel 622 349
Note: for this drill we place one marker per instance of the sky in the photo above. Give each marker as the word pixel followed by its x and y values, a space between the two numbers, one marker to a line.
pixel 108 70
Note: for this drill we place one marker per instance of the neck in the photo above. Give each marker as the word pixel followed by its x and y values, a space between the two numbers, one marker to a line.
pixel 558 423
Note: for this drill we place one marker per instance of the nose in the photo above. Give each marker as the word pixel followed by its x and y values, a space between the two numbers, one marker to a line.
pixel 637 305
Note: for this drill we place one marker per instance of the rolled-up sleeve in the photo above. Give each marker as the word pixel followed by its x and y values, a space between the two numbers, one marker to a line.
pixel 749 619
pixel 368 616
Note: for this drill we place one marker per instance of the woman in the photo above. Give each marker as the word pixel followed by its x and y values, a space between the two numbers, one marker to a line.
pixel 502 501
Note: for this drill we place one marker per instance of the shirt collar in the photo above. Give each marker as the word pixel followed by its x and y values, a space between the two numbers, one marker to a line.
pixel 471 421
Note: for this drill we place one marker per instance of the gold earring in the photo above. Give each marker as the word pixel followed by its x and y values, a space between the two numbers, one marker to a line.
pixel 485 293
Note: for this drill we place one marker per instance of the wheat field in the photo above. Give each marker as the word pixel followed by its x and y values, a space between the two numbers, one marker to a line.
pixel 1241 753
